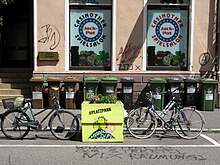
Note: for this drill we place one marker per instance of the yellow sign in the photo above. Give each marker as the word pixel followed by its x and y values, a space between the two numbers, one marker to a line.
pixel 102 122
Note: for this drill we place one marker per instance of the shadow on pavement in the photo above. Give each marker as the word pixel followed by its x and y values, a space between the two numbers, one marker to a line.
pixel 77 137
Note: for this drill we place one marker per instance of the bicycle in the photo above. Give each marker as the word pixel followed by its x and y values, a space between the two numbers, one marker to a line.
pixel 16 123
pixel 187 122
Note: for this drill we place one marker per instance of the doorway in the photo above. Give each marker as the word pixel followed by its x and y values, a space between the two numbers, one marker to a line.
pixel 16 41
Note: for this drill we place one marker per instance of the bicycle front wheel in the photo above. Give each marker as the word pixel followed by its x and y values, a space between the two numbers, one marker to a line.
pixel 14 124
pixel 64 125
pixel 190 123
pixel 141 123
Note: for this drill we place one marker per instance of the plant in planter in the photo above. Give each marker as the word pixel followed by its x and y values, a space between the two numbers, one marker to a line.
pixel 102 119
pixel 103 99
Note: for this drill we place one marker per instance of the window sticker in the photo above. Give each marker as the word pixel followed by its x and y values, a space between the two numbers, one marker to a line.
pixel 167 37
pixel 90 37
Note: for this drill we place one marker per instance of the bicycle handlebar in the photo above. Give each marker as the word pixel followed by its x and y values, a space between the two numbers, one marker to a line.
pixel 178 88
pixel 150 94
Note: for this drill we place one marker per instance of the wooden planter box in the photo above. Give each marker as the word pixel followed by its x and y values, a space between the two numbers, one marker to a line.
pixel 102 122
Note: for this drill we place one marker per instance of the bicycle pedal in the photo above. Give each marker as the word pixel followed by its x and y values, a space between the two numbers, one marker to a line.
pixel 38 127
pixel 44 128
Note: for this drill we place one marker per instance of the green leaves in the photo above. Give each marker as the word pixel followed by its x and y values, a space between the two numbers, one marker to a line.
pixel 110 99
pixel 4 2
pixel 103 58
pixel 90 58
pixel 180 58
pixel 1 21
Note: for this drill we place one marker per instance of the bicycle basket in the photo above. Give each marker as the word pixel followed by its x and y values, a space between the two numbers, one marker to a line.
pixel 15 102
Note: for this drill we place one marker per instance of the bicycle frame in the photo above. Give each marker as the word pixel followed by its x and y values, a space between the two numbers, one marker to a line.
pixel 143 120
pixel 172 105
pixel 33 115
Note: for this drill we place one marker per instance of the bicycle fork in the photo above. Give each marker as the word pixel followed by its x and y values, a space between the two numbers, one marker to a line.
pixel 60 129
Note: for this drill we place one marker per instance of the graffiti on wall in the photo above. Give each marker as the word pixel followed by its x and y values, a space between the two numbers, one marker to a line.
pixel 126 57
pixel 49 35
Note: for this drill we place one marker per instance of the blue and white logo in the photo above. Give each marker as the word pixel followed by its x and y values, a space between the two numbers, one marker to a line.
pixel 167 30
pixel 90 30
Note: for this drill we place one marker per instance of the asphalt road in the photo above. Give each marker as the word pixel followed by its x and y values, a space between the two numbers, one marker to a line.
pixel 41 148
pixel 160 149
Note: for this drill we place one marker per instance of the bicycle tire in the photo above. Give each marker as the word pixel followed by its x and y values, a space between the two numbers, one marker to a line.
pixel 10 124
pixel 190 123
pixel 63 125
pixel 141 123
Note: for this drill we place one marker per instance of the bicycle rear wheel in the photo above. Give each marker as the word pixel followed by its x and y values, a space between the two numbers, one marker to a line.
pixel 141 123
pixel 190 123
pixel 63 125
pixel 14 124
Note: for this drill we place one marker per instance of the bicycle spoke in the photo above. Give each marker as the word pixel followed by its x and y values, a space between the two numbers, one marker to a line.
pixel 10 124
pixel 141 126
pixel 190 123
pixel 64 125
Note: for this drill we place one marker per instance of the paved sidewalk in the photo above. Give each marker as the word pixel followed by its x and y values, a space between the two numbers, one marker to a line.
pixel 212 118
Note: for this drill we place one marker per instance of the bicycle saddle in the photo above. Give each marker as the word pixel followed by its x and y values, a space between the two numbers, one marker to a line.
pixel 28 100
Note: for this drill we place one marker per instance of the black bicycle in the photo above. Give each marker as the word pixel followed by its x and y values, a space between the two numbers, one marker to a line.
pixel 186 121
pixel 17 122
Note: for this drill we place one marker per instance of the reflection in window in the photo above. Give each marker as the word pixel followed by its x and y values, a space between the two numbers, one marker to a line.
pixel 167 38
pixel 90 37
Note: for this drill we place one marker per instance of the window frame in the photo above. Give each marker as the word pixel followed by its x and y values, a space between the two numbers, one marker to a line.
pixel 91 7
pixel 169 7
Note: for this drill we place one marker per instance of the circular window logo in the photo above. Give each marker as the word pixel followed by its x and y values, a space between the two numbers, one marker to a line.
pixel 90 30
pixel 167 30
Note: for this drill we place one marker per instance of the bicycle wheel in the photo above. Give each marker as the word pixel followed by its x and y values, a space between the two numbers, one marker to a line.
pixel 14 124
pixel 190 123
pixel 141 123
pixel 63 125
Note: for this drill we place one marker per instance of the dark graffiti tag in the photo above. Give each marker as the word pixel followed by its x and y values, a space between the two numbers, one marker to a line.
pixel 128 67
pixel 50 34
pixel 129 53
pixel 137 153
pixel 127 56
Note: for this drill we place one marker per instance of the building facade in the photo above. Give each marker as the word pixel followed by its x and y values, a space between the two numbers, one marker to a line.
pixel 124 38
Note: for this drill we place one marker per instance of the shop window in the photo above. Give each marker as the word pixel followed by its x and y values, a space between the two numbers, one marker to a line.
pixel 167 37
pixel 90 36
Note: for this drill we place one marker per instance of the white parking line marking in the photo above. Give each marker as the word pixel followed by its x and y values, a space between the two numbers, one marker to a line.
pixel 210 140
pixel 109 146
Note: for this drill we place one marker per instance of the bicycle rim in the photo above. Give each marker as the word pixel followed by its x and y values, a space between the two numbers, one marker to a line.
pixel 11 124
pixel 190 123
pixel 64 125
pixel 141 123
